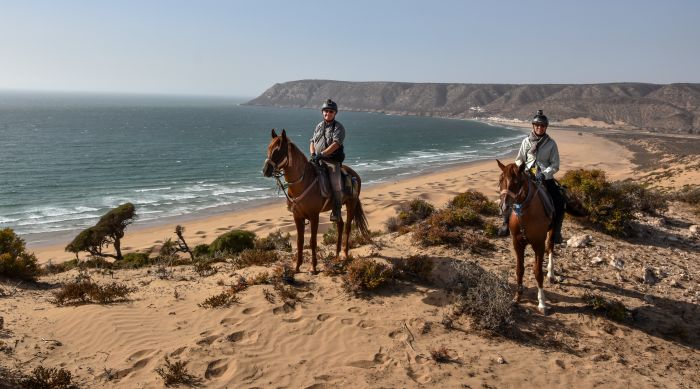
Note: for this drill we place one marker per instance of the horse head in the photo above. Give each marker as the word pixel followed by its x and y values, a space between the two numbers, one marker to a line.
pixel 512 184
pixel 277 154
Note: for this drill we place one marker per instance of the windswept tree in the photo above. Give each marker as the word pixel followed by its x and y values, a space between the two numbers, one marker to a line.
pixel 109 230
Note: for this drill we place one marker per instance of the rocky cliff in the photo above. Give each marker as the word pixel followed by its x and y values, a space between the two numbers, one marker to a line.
pixel 666 108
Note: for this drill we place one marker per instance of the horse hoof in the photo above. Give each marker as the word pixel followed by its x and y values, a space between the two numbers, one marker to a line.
pixel 543 310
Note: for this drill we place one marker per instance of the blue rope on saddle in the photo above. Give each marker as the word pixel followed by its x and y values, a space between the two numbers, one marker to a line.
pixel 518 209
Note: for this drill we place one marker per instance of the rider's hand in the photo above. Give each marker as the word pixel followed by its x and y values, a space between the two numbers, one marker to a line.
pixel 314 157
pixel 540 177
pixel 320 155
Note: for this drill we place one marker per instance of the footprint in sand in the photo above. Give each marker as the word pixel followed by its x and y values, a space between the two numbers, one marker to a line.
pixel 323 317
pixel 229 321
pixel 286 308
pixel 366 324
pixel 346 321
pixel 200 232
pixel 178 351
pixel 138 354
pixel 249 311
pixel 216 368
pixel 398 334
pixel 235 336
pixel 354 310
pixel 207 341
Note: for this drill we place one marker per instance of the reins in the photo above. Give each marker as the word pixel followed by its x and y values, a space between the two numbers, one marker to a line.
pixel 279 172
pixel 519 208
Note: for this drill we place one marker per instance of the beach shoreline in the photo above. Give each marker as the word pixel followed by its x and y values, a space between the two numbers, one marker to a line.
pixel 578 150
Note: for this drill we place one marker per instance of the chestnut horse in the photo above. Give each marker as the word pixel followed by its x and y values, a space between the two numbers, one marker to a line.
pixel 304 198
pixel 529 224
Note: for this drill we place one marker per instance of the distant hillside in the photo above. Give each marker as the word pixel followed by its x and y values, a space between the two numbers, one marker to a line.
pixel 671 108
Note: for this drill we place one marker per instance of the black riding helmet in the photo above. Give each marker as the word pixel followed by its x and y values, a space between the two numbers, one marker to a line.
pixel 330 104
pixel 539 118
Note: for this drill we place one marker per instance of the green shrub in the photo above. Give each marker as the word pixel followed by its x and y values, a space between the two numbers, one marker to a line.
pixel 233 242
pixel 275 241
pixel 475 201
pixel 168 248
pixel 109 230
pixel 135 261
pixel 15 261
pixel 222 300
pixel 609 205
pixel 641 199
pixel 174 374
pixel 364 274
pixel 201 250
pixel 414 211
pixel 689 194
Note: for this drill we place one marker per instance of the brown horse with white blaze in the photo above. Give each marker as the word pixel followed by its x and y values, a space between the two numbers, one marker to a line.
pixel 304 198
pixel 529 223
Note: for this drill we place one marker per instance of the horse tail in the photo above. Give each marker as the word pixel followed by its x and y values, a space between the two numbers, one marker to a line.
pixel 360 220
pixel 574 207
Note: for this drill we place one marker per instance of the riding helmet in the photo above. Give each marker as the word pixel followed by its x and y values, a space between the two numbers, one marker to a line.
pixel 330 104
pixel 539 118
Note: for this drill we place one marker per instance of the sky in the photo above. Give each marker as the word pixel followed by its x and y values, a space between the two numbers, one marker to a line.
pixel 241 48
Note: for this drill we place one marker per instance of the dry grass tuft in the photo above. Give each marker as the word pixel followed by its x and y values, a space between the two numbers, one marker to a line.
pixel 222 300
pixel 257 257
pixel 415 267
pixel 275 241
pixel 441 355
pixel 204 268
pixel 176 374
pixel 49 378
pixel 84 291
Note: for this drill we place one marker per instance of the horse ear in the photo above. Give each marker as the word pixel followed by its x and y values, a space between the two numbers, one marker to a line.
pixel 284 134
pixel 274 134
pixel 500 165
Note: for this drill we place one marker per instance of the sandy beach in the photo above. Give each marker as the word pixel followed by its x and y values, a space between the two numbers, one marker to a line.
pixel 329 338
pixel 577 150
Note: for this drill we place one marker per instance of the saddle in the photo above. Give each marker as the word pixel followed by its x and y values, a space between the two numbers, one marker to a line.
pixel 350 186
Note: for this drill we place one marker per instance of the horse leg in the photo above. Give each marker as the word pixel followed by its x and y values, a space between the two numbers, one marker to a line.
pixel 339 243
pixel 299 222
pixel 550 251
pixel 519 251
pixel 348 226
pixel 312 242
pixel 539 276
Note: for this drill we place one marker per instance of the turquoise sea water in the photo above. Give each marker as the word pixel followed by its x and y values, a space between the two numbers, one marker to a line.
pixel 67 159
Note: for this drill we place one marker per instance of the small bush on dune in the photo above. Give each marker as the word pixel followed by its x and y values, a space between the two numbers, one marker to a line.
pixel 484 296
pixel 275 241
pixel 233 242
pixel 15 261
pixel 335 265
pixel 257 257
pixel 330 237
pixel 611 309
pixel 475 201
pixel 222 300
pixel 640 198
pixel 416 267
pixel 283 273
pixel 84 291
pixel 201 250
pixel 410 213
pixel 168 248
pixel 135 261
pixel 689 194
pixel 176 374
pixel 49 378
pixel 364 274
pixel 204 268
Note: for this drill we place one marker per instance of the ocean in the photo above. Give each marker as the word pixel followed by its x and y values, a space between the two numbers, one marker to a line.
pixel 66 159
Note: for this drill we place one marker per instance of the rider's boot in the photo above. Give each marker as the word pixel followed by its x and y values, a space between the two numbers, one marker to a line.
pixel 557 238
pixel 337 204
pixel 503 229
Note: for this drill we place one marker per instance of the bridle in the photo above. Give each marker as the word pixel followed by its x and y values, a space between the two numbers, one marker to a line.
pixel 278 171
pixel 518 207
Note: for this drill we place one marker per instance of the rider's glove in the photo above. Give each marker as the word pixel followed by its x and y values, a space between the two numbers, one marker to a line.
pixel 540 177
pixel 314 157
pixel 320 155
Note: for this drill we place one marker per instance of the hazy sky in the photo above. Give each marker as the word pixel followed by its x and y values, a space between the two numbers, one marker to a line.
pixel 240 48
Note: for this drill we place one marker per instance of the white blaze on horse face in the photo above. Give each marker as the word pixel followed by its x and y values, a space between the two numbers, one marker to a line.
pixel 540 298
